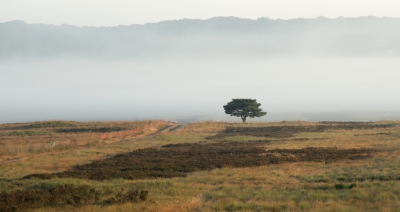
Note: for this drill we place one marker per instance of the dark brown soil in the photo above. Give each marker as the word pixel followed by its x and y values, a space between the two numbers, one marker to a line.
pixel 289 131
pixel 176 160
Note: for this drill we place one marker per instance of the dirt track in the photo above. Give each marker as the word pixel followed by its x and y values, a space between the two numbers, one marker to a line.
pixel 169 129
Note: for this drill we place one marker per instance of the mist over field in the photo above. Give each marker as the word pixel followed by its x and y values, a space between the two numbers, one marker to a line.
pixel 301 69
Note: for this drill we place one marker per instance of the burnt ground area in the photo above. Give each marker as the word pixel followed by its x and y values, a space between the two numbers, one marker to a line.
pixel 289 131
pixel 176 160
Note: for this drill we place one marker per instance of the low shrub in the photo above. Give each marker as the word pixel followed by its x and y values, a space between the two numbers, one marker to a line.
pixel 67 194
pixel 26 133
pixel 344 186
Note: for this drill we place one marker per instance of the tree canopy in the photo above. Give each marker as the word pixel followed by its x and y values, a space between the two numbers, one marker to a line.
pixel 244 108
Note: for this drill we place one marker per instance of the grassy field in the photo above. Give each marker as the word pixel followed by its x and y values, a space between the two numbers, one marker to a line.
pixel 281 178
pixel 22 140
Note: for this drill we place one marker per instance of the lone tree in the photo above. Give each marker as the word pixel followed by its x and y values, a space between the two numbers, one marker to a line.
pixel 244 108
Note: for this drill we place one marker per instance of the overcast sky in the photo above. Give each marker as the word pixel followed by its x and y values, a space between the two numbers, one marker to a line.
pixel 99 90
pixel 126 12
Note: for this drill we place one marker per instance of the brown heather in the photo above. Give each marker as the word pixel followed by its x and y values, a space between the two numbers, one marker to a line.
pixel 295 166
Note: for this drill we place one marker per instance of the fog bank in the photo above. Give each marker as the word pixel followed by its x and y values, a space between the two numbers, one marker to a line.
pixel 179 89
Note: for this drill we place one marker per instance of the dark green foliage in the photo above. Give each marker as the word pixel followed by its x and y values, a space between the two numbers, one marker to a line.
pixel 352 185
pixel 344 186
pixel 244 108
pixel 176 160
pixel 63 195
pixel 340 186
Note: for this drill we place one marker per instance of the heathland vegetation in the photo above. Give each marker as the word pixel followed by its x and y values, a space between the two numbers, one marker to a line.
pixel 203 166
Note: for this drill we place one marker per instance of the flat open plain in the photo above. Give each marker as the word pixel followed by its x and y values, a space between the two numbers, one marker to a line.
pixel 203 166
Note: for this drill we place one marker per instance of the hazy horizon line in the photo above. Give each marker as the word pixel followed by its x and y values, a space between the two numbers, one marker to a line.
pixel 336 116
pixel 199 19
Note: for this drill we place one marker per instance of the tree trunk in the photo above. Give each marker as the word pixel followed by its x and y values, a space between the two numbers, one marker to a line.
pixel 243 119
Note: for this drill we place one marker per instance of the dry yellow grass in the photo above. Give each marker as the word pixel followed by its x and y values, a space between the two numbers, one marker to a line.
pixel 23 146
pixel 282 187
pixel 61 159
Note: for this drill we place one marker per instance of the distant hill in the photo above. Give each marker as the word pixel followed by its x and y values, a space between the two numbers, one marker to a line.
pixel 215 37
